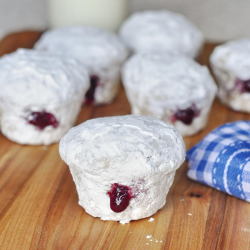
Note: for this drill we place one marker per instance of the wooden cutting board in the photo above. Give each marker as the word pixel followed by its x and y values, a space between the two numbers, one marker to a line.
pixel 39 209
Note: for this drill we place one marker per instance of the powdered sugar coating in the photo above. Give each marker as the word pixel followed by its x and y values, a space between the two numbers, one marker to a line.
pixel 33 81
pixel 230 62
pixel 152 31
pixel 100 51
pixel 140 152
pixel 160 84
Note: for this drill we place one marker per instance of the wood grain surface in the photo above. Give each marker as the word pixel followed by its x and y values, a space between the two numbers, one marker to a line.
pixel 39 209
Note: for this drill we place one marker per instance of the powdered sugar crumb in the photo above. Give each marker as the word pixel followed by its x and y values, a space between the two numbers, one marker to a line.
pixel 152 239
pixel 124 222
pixel 151 219
pixel 245 229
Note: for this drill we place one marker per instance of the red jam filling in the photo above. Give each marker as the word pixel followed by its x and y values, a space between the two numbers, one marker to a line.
pixel 42 119
pixel 120 197
pixel 90 95
pixel 186 116
pixel 243 86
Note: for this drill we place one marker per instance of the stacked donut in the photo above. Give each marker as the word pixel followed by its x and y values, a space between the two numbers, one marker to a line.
pixel 43 89
pixel 162 79
pixel 123 166
pixel 133 158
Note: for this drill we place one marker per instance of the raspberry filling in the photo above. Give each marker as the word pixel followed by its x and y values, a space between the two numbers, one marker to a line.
pixel 90 95
pixel 42 120
pixel 243 86
pixel 186 116
pixel 120 197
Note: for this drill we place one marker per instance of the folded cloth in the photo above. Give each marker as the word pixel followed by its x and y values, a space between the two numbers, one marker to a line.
pixel 222 159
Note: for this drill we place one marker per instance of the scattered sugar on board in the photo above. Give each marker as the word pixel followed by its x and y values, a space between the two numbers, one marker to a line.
pixel 152 239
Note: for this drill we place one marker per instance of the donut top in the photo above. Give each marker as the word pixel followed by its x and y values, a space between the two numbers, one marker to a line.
pixel 233 56
pixel 29 77
pixel 92 46
pixel 168 80
pixel 161 31
pixel 123 145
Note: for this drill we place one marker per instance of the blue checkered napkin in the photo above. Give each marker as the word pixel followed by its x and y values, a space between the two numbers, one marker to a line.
pixel 222 159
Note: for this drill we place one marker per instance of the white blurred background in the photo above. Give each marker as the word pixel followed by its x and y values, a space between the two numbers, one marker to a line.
pixel 218 19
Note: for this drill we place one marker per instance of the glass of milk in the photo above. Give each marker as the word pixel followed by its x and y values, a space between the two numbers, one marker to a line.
pixel 108 14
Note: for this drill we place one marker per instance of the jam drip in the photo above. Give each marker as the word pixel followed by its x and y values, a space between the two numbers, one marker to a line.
pixel 186 116
pixel 243 86
pixel 90 95
pixel 42 119
pixel 120 197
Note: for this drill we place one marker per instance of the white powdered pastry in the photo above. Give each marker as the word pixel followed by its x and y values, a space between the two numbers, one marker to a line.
pixel 123 166
pixel 231 65
pixel 100 51
pixel 165 31
pixel 40 97
pixel 173 88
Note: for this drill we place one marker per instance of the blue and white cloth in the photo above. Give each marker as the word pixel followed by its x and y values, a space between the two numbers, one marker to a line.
pixel 222 159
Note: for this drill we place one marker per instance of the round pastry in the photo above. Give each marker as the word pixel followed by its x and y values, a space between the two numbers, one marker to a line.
pixel 40 97
pixel 100 51
pixel 173 88
pixel 165 31
pixel 231 66
pixel 123 166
